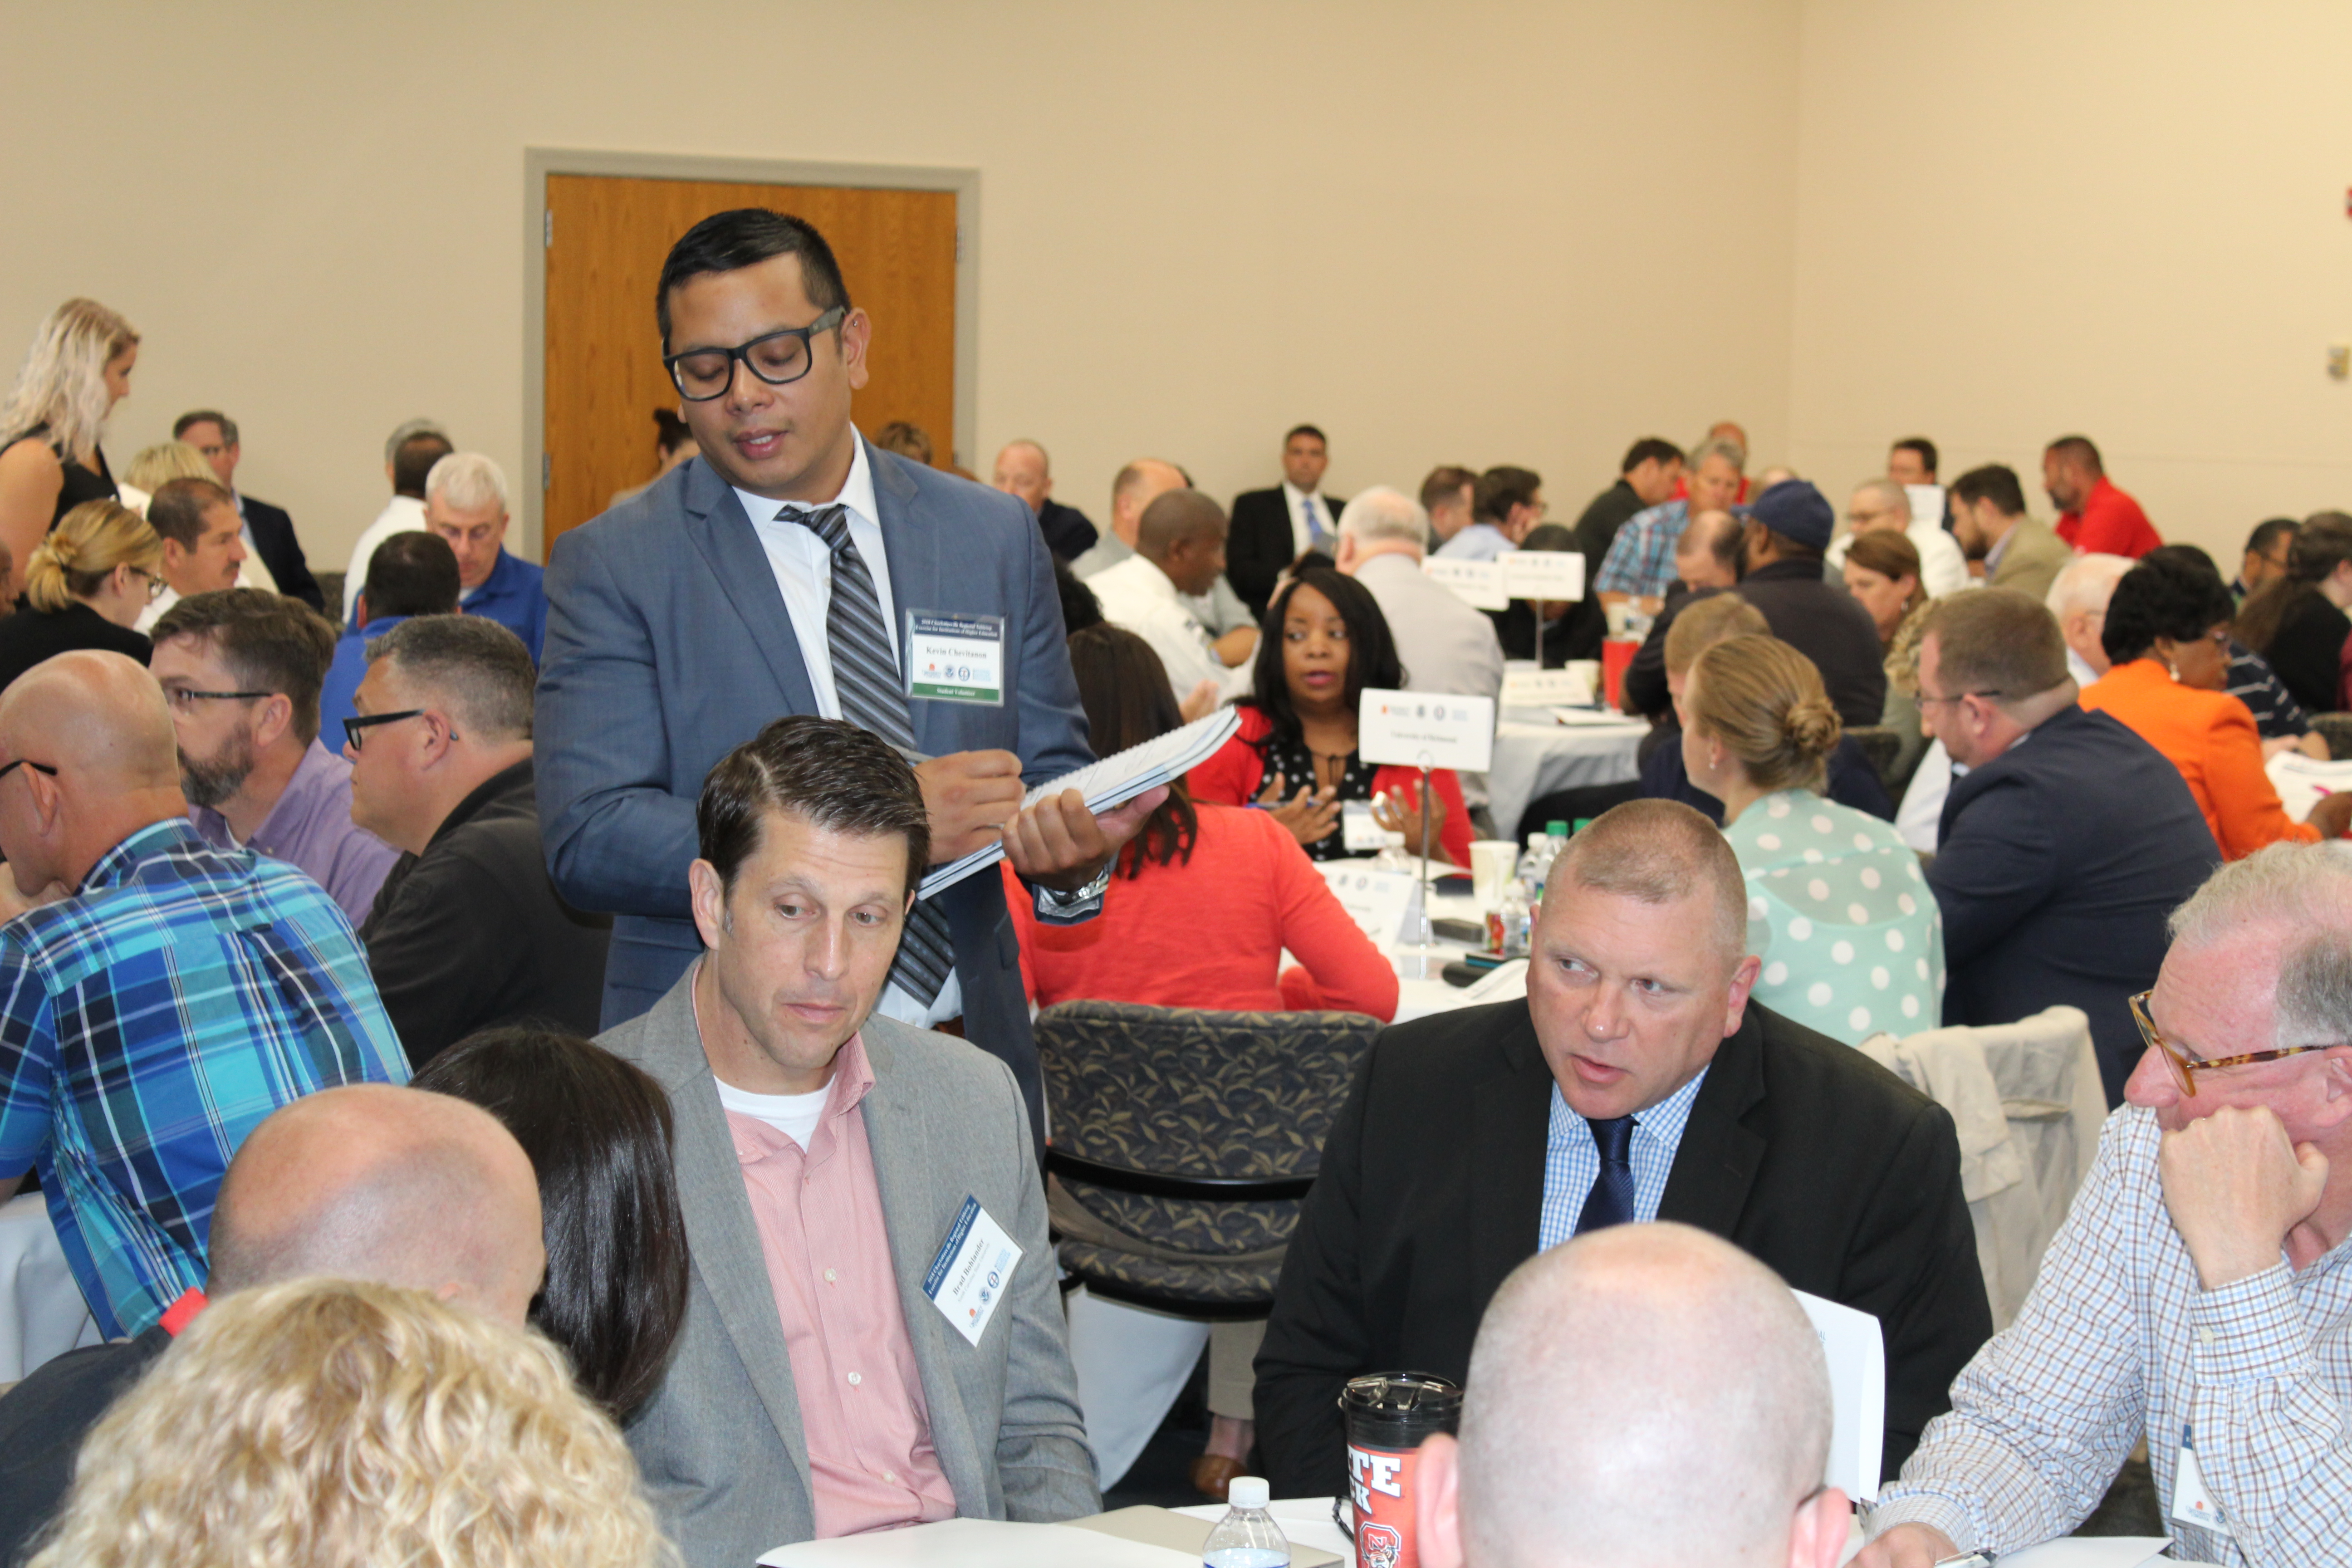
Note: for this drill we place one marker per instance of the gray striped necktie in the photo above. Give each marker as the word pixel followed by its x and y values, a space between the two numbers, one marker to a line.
pixel 865 681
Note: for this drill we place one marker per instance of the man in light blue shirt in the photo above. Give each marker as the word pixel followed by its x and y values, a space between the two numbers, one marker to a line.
pixel 1504 504
pixel 466 504
pixel 1637 1081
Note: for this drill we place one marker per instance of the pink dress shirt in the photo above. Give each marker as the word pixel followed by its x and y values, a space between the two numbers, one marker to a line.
pixel 819 1214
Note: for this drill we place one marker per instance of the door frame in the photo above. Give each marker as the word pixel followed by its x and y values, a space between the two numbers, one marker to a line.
pixel 538 162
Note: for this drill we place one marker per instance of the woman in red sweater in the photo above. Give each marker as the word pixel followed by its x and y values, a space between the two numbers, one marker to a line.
pixel 1294 753
pixel 1206 897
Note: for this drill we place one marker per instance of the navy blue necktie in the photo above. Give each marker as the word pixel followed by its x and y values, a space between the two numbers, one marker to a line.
pixel 1610 1201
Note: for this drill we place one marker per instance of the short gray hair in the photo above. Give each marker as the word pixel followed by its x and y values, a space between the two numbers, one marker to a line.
pixel 408 429
pixel 1717 446
pixel 2308 889
pixel 1384 514
pixel 1661 852
pixel 476 666
pixel 469 481
pixel 1894 495
pixel 2085 583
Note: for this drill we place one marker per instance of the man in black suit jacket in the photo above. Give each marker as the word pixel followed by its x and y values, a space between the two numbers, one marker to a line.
pixel 269 533
pixel 1271 528
pixel 1635 1082
pixel 2058 860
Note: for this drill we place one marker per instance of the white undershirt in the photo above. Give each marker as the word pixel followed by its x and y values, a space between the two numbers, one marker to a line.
pixel 803 563
pixel 793 1115
pixel 1299 538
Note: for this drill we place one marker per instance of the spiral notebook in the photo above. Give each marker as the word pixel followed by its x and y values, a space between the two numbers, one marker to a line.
pixel 1112 782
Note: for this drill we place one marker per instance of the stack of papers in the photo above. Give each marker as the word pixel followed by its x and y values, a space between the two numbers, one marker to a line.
pixel 1112 782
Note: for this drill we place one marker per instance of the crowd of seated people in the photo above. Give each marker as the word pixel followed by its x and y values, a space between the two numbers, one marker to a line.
pixel 260 868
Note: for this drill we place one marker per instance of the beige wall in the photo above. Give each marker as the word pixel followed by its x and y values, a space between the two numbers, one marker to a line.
pixel 1475 233
pixel 2122 217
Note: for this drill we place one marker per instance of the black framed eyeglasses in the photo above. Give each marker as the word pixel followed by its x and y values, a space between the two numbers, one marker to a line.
pixel 777 358
pixel 354 729
pixel 1926 700
pixel 182 698
pixel 28 762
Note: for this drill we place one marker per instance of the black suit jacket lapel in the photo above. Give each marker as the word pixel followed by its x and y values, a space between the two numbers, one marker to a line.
pixel 1511 1112
pixel 1716 1164
pixel 729 546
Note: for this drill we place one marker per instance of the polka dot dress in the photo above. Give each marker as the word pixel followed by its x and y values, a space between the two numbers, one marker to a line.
pixel 1288 756
pixel 1839 911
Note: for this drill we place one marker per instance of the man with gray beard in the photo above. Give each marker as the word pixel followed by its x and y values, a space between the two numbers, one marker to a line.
pixel 241 669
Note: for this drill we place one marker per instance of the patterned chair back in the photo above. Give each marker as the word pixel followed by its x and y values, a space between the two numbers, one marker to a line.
pixel 1186 1091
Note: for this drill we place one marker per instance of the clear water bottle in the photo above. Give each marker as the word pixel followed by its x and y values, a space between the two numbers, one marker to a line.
pixel 1517 918
pixel 1247 1536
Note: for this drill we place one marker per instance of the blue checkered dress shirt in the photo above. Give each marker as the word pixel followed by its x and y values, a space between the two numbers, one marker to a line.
pixel 1641 559
pixel 147 1024
pixel 1571 1160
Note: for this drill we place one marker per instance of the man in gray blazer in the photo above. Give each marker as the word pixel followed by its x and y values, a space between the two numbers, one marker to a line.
pixel 845 1183
pixel 793 568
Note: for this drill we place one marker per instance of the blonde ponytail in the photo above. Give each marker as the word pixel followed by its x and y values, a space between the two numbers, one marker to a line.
pixel 82 551
pixel 1765 702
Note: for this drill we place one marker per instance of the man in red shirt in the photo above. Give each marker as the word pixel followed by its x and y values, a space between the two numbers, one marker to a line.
pixel 2093 516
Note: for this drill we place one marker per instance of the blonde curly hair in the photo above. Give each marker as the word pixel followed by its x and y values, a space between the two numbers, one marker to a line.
pixel 329 1423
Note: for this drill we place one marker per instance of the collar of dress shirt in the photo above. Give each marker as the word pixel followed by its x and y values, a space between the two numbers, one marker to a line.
pixel 856 493
pixel 1292 495
pixel 1663 1121
pixel 853 1080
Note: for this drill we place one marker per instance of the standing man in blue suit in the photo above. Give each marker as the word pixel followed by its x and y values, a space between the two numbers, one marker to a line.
pixel 794 568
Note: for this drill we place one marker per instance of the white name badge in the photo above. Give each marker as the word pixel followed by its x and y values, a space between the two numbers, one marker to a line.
pixel 1570 687
pixel 2191 1503
pixel 1557 576
pixel 1477 584
pixel 968 1279
pixel 955 658
pixel 1381 903
pixel 1425 729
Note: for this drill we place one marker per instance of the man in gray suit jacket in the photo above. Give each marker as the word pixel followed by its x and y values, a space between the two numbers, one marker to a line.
pixel 793 568
pixel 845 1183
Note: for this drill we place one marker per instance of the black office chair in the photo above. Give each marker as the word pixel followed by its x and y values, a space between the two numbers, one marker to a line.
pixel 1182 1141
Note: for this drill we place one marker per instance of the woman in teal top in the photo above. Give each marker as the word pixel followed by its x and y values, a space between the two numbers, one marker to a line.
pixel 1852 941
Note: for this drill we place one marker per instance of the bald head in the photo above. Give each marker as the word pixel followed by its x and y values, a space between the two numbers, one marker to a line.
pixel 1645 1394
pixel 395 1185
pixel 102 763
pixel 1139 484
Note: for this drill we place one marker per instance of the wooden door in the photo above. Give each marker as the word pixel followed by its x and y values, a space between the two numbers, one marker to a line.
pixel 606 238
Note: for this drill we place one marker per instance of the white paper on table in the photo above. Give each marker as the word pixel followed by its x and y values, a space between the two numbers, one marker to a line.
pixel 1110 782
pixel 1505 983
pixel 2072 1551
pixel 1533 687
pixel 976 1543
pixel 1385 905
pixel 2304 781
pixel 1477 584
pixel 1555 577
pixel 1425 729
pixel 1600 717
pixel 1857 1357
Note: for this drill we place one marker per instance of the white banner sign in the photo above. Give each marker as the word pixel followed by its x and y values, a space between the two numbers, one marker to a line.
pixel 1425 729
pixel 1555 576
pixel 1477 584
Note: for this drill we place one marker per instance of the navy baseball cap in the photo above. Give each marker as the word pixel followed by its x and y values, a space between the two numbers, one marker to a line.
pixel 1794 510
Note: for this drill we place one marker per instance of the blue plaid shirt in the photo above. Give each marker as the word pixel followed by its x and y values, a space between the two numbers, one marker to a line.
pixel 1573 1161
pixel 147 1024
pixel 1641 559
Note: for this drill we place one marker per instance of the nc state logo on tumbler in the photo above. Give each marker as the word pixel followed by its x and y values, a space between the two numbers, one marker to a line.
pixel 1389 1415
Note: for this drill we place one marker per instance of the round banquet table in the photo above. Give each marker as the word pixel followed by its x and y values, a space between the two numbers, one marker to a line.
pixel 1534 754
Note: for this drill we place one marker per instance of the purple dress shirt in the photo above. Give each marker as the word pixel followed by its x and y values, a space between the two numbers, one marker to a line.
pixel 310 827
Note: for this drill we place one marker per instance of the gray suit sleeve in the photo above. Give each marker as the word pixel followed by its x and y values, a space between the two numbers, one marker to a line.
pixel 1042 1461
pixel 618 841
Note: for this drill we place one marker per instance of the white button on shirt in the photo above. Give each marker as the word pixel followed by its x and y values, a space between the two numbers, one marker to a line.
pixel 803 563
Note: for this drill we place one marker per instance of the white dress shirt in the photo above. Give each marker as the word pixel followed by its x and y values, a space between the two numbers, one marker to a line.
pixel 254 572
pixel 1136 594
pixel 1300 541
pixel 803 563
pixel 402 514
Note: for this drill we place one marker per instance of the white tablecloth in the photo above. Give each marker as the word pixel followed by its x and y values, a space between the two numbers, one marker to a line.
pixel 42 1313
pixel 1536 755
